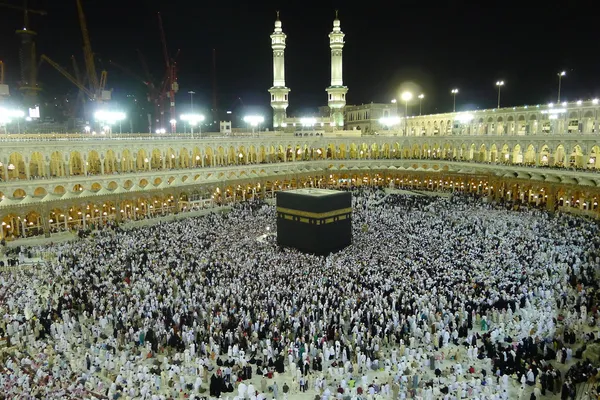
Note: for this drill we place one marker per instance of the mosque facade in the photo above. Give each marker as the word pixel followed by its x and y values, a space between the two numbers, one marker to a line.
pixel 547 155
pixel 48 185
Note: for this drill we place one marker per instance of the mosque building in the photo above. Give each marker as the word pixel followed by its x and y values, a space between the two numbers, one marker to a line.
pixel 543 155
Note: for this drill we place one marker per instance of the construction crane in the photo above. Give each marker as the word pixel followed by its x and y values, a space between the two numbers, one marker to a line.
pixel 97 85
pixel 169 85
pixel 28 85
pixel 153 94
pixel 80 100
pixel 4 92
pixel 90 94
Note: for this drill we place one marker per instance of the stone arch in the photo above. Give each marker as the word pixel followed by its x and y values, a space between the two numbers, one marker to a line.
pixel 576 157
pixel 37 166
pixel 129 163
pixel 76 166
pixel 530 155
pixel 184 159
pixel 19 194
pixel 196 159
pixel 594 157
pixel 560 156
pixel 505 154
pixel 483 154
pixel 16 166
pixel 494 153
pixel 60 190
pixel 156 159
pixel 57 164
pixel 141 160
pixel 545 155
pixel 170 159
pixel 517 154
pixel 40 192
pixel 110 162
pixel 93 163
pixel 208 156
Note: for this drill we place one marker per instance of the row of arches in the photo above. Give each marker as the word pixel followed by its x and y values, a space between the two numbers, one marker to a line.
pixel 37 165
pixel 566 122
pixel 94 212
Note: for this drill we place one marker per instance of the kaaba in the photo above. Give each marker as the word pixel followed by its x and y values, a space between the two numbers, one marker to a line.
pixel 317 221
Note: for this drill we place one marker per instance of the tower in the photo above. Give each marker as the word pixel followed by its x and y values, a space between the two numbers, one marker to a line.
pixel 337 91
pixel 279 93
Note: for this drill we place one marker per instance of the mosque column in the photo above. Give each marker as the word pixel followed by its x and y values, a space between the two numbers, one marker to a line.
pixel 118 207
pixel 176 202
pixel 45 221
pixel 102 167
pixel 551 200
pixel 27 173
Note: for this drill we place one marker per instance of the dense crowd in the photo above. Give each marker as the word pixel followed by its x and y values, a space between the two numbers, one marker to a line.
pixel 442 298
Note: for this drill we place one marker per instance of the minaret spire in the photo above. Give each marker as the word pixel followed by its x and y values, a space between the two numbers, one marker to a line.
pixel 279 92
pixel 337 91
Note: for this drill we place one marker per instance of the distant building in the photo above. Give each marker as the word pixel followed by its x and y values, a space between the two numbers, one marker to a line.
pixel 367 117
pixel 225 127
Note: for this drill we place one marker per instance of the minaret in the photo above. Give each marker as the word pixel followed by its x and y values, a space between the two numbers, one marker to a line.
pixel 279 93
pixel 337 91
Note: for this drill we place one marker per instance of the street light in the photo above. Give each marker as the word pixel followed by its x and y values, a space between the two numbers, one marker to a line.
pixel 499 84
pixel 6 117
pixel 191 93
pixel 393 101
pixel 254 121
pixel 406 97
pixel 454 92
pixel 560 75
pixel 421 97
pixel 193 119
pixel 389 121
pixel 110 117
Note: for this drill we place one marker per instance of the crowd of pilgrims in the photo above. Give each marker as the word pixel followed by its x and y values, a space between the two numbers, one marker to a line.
pixel 442 298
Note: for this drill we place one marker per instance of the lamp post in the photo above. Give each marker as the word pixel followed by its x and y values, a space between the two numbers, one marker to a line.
pixel 192 120
pixel 254 121
pixel 499 84
pixel 191 93
pixel 421 97
pixel 454 92
pixel 406 97
pixel 560 75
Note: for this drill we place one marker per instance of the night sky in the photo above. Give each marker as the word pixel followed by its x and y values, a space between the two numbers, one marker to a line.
pixel 435 45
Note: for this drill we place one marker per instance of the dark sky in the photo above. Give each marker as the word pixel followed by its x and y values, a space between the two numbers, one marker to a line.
pixel 436 45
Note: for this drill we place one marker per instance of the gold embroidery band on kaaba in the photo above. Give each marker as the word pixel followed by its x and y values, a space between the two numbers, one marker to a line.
pixel 308 214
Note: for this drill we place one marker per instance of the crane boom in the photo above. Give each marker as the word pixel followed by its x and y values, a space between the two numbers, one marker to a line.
pixel 164 41
pixel 67 75
pixel 88 53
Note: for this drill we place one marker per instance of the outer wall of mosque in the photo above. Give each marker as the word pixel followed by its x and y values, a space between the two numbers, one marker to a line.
pixel 521 155
pixel 316 221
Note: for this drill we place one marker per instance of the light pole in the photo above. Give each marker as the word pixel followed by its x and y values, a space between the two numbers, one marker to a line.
pixel 191 93
pixel 454 92
pixel 499 84
pixel 421 97
pixel 406 97
pixel 560 75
